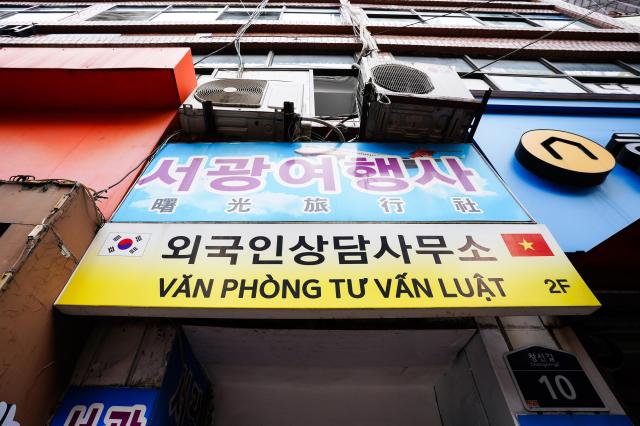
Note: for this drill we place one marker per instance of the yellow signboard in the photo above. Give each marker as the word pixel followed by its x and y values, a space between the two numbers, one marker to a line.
pixel 325 270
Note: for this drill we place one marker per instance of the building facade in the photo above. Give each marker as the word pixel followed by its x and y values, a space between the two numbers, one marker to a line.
pixel 314 240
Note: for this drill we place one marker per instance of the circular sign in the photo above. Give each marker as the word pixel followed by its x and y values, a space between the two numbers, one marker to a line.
pixel 125 243
pixel 564 157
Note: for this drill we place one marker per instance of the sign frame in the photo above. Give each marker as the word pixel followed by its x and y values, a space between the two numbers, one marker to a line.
pixel 121 215
pixel 160 281
pixel 505 356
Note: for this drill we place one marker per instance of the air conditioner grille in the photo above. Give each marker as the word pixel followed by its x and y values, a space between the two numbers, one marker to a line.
pixel 232 92
pixel 401 78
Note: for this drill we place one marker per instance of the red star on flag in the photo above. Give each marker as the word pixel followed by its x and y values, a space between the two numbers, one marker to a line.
pixel 521 245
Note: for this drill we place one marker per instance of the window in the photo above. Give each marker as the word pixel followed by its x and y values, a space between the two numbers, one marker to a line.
pixel 473 19
pixel 512 66
pixel 511 23
pixel 458 64
pixel 290 14
pixel 312 15
pixel 542 76
pixel 314 61
pixel 556 20
pixel 212 13
pixel 342 61
pixel 554 24
pixel 502 19
pixel 335 95
pixel 229 61
pixel 128 13
pixel 475 84
pixel 614 88
pixel 535 84
pixel 454 19
pixel 593 69
pixel 400 17
pixel 188 14
pixel 10 10
pixel 241 14
pixel 37 14
pixel 635 65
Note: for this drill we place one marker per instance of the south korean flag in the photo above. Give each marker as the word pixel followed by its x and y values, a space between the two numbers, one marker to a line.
pixel 124 244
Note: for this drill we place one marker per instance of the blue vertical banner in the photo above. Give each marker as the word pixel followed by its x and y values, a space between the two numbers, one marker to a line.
pixel 97 406
pixel 313 182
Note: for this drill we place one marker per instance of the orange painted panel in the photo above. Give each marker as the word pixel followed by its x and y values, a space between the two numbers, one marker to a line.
pixel 96 149
pixel 95 79
pixel 88 114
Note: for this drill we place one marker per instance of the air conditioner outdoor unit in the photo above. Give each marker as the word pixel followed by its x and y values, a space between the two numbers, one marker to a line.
pixel 414 101
pixel 247 108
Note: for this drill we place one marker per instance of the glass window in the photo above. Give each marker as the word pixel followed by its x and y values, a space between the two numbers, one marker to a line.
pixel 452 21
pixel 394 19
pixel 458 64
pixel 635 65
pixel 327 16
pixel 335 95
pixel 314 61
pixel 436 13
pixel 614 88
pixel 593 69
pixel 475 84
pixel 386 12
pixel 545 16
pixel 513 66
pixel 228 61
pixel 493 14
pixel 127 13
pixel 240 14
pixel 511 23
pixel 9 10
pixel 556 23
pixel 329 10
pixel 41 14
pixel 535 84
pixel 188 14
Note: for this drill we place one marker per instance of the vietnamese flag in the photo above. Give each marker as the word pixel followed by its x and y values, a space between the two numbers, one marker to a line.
pixel 526 245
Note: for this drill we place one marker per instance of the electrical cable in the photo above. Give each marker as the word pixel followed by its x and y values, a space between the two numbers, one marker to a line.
pixel 326 123
pixel 258 10
pixel 341 122
pixel 544 36
pixel 98 194
pixel 239 33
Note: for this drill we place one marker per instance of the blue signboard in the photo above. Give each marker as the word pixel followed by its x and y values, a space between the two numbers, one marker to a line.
pixel 318 182
pixel 574 420
pixel 98 406
pixel 578 217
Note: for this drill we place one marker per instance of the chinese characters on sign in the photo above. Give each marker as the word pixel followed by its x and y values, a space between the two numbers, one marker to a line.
pixel 318 182
pixel 436 268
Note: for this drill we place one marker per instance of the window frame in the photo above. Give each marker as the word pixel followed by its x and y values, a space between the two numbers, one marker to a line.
pixel 169 10
pixel 579 81
pixel 271 55
pixel 281 11
pixel 43 9
pixel 481 17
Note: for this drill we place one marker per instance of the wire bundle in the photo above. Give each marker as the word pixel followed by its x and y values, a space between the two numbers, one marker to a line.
pixel 238 37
